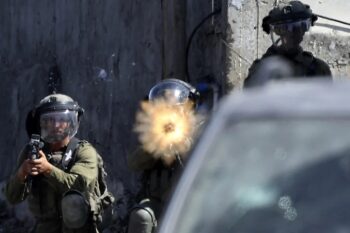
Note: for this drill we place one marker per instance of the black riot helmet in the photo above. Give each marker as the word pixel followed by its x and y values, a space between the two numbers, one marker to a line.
pixel 288 17
pixel 174 91
pixel 53 110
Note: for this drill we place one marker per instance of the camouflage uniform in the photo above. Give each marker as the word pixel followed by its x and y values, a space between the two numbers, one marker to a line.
pixel 157 181
pixel 304 64
pixel 44 198
pixel 287 24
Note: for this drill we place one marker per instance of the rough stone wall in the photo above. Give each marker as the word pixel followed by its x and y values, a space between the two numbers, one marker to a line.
pixel 107 57
pixel 327 40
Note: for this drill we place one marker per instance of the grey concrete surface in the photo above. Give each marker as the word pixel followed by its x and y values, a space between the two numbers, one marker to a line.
pixel 327 40
pixel 107 57
pixel 108 53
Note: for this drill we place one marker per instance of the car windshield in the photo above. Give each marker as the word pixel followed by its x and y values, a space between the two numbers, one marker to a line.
pixel 273 176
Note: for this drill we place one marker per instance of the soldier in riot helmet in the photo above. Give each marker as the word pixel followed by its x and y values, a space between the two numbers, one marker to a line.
pixel 287 24
pixel 65 174
pixel 158 176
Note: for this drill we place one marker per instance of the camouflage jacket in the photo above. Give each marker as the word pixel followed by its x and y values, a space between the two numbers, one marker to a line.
pixel 46 192
pixel 303 62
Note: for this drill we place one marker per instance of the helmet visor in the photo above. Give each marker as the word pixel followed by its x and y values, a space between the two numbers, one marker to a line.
pixel 56 126
pixel 171 92
pixel 291 27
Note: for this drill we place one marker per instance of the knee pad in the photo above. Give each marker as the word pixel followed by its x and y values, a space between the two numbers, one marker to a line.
pixel 144 215
pixel 142 219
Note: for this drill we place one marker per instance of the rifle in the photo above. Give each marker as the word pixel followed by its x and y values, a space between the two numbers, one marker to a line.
pixel 34 146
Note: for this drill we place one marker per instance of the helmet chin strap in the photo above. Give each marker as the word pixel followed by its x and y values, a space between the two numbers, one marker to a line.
pixel 275 42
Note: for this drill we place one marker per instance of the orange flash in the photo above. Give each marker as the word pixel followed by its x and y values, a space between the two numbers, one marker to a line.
pixel 166 130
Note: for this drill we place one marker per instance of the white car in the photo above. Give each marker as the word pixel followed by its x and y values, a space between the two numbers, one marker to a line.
pixel 274 159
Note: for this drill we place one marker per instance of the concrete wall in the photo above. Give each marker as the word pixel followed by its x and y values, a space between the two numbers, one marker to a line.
pixel 108 54
pixel 207 53
pixel 108 59
pixel 327 40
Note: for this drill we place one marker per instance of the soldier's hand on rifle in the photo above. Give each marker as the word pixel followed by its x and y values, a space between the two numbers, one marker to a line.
pixel 27 168
pixel 41 164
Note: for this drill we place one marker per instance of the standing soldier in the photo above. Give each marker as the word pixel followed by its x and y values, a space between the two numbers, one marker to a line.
pixel 159 165
pixel 61 183
pixel 287 24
